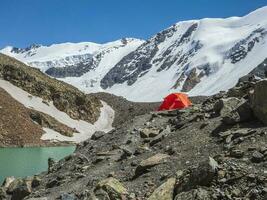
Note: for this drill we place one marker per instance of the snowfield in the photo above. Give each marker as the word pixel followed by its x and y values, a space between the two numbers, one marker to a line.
pixel 85 129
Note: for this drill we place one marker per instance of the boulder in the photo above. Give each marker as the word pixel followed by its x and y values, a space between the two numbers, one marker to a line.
pixel 13 185
pixel 3 194
pixel 165 191
pixel 226 105
pixel 202 175
pixel 51 163
pixel 8 181
pixel 21 190
pixel 113 188
pixel 150 162
pixel 242 113
pixel 257 157
pixel 36 181
pixel 233 110
pixel 259 101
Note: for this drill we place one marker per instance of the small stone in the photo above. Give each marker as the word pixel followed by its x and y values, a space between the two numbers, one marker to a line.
pixel 252 148
pixel 263 150
pixel 52 183
pixel 236 153
pixel 257 157
pixel 66 196
pixel 236 192
pixel 221 174
pixel 111 174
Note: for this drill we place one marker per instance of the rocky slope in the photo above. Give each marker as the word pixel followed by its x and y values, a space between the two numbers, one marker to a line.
pixel 213 150
pixel 200 57
pixel 32 101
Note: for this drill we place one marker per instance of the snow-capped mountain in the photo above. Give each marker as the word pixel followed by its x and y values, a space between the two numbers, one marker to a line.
pixel 71 59
pixel 200 57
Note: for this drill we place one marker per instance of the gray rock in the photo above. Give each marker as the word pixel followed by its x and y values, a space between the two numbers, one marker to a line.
pixel 236 153
pixel 66 196
pixel 165 191
pixel 22 190
pixel 52 183
pixel 36 181
pixel 160 136
pixel 113 188
pixel 3 194
pixel 202 175
pixel 150 162
pixel 97 135
pixel 195 194
pixel 257 157
pixel 258 101
pixel 8 181
pixel 51 163
pixel 149 132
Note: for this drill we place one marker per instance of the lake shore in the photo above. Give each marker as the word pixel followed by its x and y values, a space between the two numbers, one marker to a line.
pixel 44 144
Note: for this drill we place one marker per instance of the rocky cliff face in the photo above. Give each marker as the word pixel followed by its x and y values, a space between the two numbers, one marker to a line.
pixel 215 149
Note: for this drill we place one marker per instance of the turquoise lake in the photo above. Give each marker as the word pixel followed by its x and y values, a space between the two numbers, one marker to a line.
pixel 22 162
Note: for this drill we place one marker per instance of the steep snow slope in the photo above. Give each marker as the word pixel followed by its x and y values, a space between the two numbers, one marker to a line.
pixel 200 57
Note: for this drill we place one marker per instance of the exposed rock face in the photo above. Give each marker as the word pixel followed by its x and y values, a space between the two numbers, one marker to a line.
pixel 139 62
pixel 243 47
pixel 192 80
pixel 70 71
pixel 259 101
pixel 260 70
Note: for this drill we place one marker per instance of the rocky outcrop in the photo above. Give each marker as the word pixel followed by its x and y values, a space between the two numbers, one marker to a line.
pixel 65 97
pixel 47 121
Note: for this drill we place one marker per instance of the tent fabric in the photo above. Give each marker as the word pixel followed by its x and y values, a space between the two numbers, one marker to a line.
pixel 175 101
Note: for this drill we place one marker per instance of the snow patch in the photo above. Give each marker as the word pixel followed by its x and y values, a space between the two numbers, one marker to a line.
pixel 85 129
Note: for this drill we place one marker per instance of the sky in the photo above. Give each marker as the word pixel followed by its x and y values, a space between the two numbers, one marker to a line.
pixel 25 22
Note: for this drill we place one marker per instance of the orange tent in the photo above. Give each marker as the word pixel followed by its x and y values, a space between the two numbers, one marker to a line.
pixel 175 101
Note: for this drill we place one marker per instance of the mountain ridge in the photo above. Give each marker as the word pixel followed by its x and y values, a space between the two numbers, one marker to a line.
pixel 199 57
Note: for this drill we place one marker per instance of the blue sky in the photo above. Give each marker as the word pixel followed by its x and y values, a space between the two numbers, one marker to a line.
pixel 24 22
